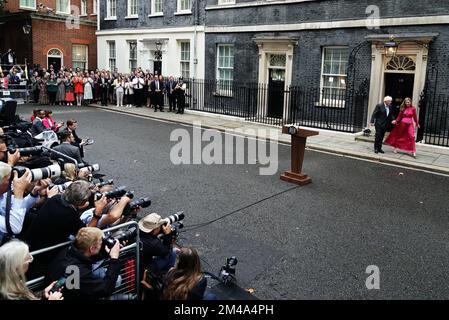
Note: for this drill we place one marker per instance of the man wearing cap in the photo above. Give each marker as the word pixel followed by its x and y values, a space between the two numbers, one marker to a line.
pixel 157 252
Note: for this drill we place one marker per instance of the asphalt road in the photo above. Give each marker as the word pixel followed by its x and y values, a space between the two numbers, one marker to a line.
pixel 312 242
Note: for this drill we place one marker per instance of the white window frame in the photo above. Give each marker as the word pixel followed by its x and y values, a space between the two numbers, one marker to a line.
pixel 180 10
pixel 94 7
pixel 22 6
pixel 109 8
pixel 220 91
pixel 87 55
pixel 129 55
pixel 181 61
pixel 326 102
pixel 63 12
pixel 153 9
pixel 83 8
pixel 225 2
pixel 109 42
pixel 130 5
pixel 61 55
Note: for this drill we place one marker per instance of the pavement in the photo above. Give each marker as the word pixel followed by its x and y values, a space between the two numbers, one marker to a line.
pixel 428 157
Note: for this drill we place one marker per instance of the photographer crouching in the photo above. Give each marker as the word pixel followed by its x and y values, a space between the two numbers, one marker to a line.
pixel 156 238
pixel 157 254
pixel 82 254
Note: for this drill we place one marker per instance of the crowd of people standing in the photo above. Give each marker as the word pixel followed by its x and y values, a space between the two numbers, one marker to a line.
pixel 75 87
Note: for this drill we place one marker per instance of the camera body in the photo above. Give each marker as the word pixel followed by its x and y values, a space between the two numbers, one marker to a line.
pixel 176 222
pixel 227 272
pixel 122 236
pixel 130 207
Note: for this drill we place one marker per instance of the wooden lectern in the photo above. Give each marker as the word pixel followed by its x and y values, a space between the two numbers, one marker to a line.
pixel 299 137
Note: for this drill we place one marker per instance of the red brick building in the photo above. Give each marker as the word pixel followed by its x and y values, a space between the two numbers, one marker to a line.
pixel 44 32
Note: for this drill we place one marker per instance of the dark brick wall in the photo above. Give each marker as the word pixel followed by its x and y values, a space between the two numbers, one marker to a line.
pixel 168 20
pixel 307 55
pixel 322 11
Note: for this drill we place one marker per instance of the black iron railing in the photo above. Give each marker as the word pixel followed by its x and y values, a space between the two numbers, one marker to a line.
pixel 434 119
pixel 275 104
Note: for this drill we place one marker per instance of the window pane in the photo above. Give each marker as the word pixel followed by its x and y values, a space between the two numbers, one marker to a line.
pixel 28 3
pixel 158 6
pixel 79 56
pixel 184 5
pixel 335 62
pixel 225 69
pixel 63 6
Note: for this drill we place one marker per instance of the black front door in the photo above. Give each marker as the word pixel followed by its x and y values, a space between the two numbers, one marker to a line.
pixel 56 62
pixel 399 86
pixel 276 84
pixel 157 67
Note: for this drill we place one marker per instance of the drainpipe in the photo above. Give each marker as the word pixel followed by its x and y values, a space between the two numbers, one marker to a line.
pixel 98 15
pixel 196 21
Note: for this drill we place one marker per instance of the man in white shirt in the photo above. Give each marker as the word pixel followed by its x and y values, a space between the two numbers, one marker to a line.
pixel 138 83
pixel 19 204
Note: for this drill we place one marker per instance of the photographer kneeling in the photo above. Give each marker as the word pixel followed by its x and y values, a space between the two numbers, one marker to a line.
pixel 81 256
pixel 156 238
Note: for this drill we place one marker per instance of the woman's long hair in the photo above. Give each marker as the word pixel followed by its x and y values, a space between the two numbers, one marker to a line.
pixel 183 278
pixel 12 272
pixel 403 106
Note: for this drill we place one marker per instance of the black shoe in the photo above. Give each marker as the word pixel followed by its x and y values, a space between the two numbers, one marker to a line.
pixel 162 110
pixel 381 151
pixel 375 151
pixel 155 110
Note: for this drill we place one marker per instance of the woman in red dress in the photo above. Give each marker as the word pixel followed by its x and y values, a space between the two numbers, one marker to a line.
pixel 79 89
pixel 403 134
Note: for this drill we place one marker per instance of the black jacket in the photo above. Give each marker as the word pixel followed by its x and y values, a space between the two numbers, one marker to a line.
pixel 153 246
pixel 37 128
pixel 69 150
pixel 380 118
pixel 54 223
pixel 91 286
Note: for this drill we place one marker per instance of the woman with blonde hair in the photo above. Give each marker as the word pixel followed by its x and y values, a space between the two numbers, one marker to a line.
pixel 403 134
pixel 186 280
pixel 15 259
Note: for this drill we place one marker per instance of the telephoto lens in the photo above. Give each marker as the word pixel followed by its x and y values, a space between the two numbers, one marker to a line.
pixel 122 236
pixel 32 151
pixel 105 183
pixel 142 202
pixel 113 194
pixel 61 187
pixel 91 168
pixel 52 171
pixel 175 217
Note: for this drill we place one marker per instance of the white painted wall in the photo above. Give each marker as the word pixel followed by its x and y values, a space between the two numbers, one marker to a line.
pixel 171 50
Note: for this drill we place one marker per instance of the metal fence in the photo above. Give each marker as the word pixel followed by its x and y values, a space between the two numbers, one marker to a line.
pixel 339 110
pixel 434 119
pixel 128 283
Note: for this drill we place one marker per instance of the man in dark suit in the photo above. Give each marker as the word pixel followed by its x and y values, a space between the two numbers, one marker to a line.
pixel 67 148
pixel 72 125
pixel 170 86
pixel 157 87
pixel 381 119
pixel 38 127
